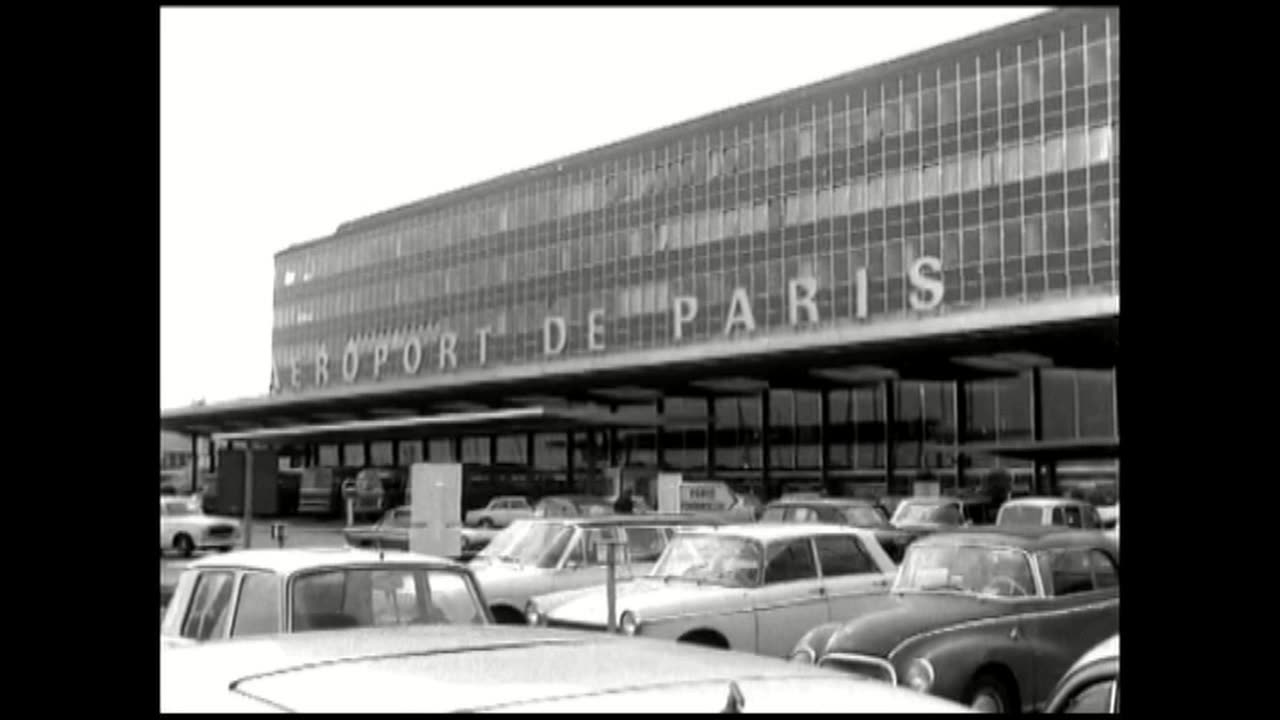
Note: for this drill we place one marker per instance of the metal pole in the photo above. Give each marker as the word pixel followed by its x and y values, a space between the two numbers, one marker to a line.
pixel 891 450
pixel 195 463
pixel 1037 425
pixel 248 496
pixel 824 440
pixel 611 588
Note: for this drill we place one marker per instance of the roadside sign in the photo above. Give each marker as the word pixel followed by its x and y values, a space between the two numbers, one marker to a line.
pixel 706 497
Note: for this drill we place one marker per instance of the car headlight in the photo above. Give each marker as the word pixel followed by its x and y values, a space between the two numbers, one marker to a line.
pixel 803 656
pixel 629 625
pixel 531 614
pixel 919 675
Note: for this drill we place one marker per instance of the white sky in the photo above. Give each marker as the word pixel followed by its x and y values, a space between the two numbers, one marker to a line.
pixel 276 125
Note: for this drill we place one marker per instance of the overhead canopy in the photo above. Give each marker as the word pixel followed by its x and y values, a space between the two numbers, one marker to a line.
pixel 1103 448
pixel 512 420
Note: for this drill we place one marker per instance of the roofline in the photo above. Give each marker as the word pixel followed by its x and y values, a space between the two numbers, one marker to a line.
pixel 871 72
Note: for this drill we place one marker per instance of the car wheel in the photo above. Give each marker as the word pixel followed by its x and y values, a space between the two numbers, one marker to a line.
pixel 989 693
pixel 184 545
pixel 485 523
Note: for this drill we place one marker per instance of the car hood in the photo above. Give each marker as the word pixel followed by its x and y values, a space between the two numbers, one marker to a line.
pixel 500 579
pixel 521 669
pixel 902 616
pixel 651 599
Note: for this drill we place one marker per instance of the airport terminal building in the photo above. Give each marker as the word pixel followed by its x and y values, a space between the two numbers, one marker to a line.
pixel 911 268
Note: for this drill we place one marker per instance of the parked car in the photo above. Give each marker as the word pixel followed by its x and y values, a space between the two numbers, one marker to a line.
pixel 923 515
pixel 391 532
pixel 502 669
pixel 1110 515
pixel 256 592
pixel 1092 685
pixel 561 506
pixel 990 617
pixel 854 512
pixel 500 512
pixel 1062 512
pixel 538 556
pixel 185 528
pixel 755 588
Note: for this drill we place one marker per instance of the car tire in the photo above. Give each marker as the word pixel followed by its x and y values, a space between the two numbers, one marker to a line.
pixel 184 545
pixel 989 692
pixel 485 523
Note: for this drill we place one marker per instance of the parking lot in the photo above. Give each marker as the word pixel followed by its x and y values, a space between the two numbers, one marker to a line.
pixel 297 534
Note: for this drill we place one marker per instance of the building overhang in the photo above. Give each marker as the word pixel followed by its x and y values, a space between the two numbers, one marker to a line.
pixel 1077 332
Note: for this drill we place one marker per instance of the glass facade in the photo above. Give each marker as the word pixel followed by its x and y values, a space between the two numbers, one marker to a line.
pixel 1000 160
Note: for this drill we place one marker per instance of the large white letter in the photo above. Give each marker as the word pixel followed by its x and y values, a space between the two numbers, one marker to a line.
pixel 295 374
pixel 550 348
pixel 484 342
pixel 322 368
pixel 860 301
pixel 411 358
pixel 448 341
pixel 595 329
pixel 740 312
pixel 684 310
pixel 379 359
pixel 796 302
pixel 350 361
pixel 923 284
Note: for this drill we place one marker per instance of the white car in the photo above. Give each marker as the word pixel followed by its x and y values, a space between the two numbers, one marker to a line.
pixel 185 528
pixel 500 512
pixel 755 588
pixel 270 591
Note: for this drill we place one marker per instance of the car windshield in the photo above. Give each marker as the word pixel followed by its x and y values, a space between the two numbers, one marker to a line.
pixel 367 597
pixel 926 512
pixel 717 559
pixel 1020 515
pixel 773 514
pixel 972 569
pixel 540 544
pixel 862 516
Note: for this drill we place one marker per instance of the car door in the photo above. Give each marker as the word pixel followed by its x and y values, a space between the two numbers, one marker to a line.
pixel 851 575
pixel 792 600
pixel 1082 611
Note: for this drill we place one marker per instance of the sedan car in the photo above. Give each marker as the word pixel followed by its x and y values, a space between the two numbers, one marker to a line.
pixel 185 528
pixel 755 588
pixel 545 555
pixel 990 617
pixel 923 515
pixel 500 512
pixel 498 669
pixel 1092 685
pixel 854 512
pixel 392 533
pixel 1062 512
pixel 563 506
pixel 257 592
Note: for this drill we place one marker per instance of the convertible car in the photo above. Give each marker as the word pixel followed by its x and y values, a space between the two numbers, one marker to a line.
pixel 990 617
pixel 503 669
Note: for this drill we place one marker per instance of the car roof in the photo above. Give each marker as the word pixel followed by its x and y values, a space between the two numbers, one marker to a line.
pixel 624 519
pixel 453 667
pixel 286 561
pixel 833 501
pixel 1045 502
pixel 1027 537
pixel 767 532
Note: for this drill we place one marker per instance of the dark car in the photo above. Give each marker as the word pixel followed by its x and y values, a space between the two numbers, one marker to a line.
pixel 990 617
pixel 854 512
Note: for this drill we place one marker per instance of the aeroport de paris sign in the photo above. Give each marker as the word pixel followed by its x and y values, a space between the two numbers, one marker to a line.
pixel 437 351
